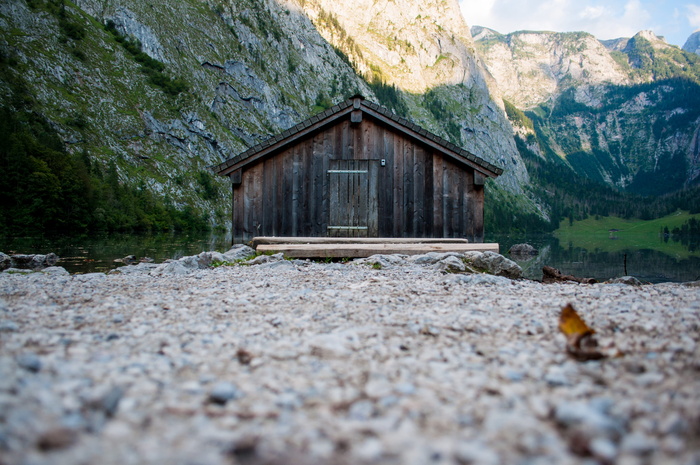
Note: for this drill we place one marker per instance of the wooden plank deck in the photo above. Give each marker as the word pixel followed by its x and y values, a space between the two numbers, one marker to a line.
pixel 365 249
pixel 267 240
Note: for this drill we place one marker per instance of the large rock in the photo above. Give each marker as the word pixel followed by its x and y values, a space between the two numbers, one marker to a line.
pixel 260 259
pixel 495 264
pixel 55 271
pixel 478 279
pixel 171 268
pixel 522 251
pixel 451 264
pixel 5 261
pixel 379 261
pixel 135 269
pixel 203 260
pixel 629 280
pixel 238 252
pixel 431 258
pixel 29 261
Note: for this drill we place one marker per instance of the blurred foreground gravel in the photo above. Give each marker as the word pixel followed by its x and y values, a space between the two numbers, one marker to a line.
pixel 310 363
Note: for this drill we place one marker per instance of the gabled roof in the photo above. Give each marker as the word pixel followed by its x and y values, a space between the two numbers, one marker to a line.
pixel 337 112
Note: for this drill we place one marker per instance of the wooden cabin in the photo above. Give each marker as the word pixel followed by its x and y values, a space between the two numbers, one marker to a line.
pixel 357 170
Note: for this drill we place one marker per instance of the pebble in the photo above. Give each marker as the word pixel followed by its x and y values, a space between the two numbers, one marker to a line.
pixel 222 392
pixel 8 326
pixel 604 449
pixel 575 413
pixel 307 362
pixel 556 376
pixel 110 401
pixel 475 453
pixel 637 444
pixel 30 362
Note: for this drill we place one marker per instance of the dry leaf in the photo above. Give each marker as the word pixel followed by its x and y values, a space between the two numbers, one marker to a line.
pixel 570 323
pixel 580 338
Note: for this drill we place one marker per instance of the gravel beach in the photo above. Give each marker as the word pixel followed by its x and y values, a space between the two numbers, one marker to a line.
pixel 297 362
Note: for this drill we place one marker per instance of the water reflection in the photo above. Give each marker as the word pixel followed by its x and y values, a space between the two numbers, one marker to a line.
pixel 96 253
pixel 83 254
pixel 642 263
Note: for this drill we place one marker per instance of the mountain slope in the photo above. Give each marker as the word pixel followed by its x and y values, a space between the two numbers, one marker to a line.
pixel 426 51
pixel 161 93
pixel 623 113
pixel 155 93
pixel 642 139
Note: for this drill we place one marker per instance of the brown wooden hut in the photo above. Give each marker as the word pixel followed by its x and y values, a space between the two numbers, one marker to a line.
pixel 357 170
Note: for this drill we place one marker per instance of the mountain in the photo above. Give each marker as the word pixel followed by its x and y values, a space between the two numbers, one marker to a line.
pixel 113 110
pixel 692 45
pixel 623 113
pixel 532 67
pixel 151 95
pixel 142 97
pixel 424 49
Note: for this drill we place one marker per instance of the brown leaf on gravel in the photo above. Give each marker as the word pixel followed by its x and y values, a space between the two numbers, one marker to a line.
pixel 244 357
pixel 581 343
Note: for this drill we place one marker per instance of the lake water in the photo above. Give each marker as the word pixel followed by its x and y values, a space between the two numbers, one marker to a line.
pixel 602 261
pixel 97 253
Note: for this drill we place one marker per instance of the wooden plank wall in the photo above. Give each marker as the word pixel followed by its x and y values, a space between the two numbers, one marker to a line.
pixel 419 193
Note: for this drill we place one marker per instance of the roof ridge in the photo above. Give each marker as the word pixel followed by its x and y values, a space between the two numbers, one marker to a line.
pixel 373 106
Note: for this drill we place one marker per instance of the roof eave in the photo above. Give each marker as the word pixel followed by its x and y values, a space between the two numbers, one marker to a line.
pixel 271 145
pixel 434 141
pixel 316 122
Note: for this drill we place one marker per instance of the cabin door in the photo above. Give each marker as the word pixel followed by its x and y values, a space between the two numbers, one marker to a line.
pixel 352 195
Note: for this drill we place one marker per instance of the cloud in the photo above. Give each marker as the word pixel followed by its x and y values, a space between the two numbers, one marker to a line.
pixel 693 16
pixel 605 19
pixel 477 9
pixel 593 12
pixel 635 13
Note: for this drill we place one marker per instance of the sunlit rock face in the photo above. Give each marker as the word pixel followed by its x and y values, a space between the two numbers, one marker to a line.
pixel 531 67
pixel 423 46
pixel 416 44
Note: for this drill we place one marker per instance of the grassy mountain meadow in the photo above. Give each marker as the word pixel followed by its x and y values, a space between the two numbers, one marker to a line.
pixel 111 112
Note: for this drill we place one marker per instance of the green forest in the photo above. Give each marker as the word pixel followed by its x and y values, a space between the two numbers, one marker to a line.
pixel 47 190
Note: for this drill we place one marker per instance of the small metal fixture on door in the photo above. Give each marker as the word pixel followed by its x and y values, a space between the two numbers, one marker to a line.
pixel 352 193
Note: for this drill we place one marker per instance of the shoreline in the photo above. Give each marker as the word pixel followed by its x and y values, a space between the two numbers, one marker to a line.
pixel 303 362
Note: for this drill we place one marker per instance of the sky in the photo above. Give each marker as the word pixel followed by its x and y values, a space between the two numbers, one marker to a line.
pixel 676 20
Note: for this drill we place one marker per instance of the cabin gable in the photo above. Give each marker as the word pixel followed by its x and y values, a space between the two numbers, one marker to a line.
pixel 357 174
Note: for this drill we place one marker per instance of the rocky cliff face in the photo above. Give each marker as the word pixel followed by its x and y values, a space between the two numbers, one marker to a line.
pixel 416 45
pixel 425 49
pixel 532 67
pixel 216 78
pixel 165 89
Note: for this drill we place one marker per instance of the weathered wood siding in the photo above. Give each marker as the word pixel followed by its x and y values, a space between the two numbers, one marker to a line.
pixel 416 192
